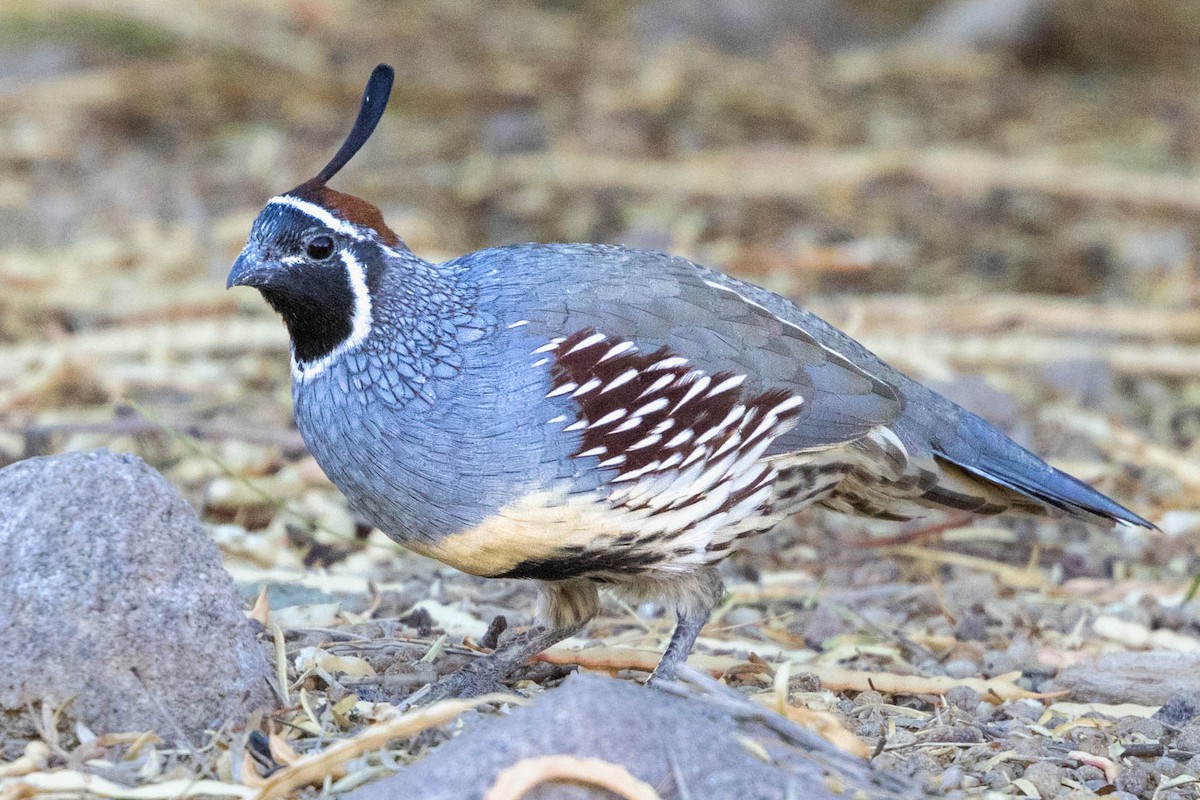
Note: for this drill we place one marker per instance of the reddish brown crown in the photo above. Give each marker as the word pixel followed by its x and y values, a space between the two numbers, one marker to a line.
pixel 352 209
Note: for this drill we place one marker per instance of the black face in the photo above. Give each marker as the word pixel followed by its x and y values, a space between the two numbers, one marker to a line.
pixel 298 255
pixel 299 266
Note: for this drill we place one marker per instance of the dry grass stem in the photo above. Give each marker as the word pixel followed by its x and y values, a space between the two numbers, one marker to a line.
pixel 834 678
pixel 315 768
pixel 79 784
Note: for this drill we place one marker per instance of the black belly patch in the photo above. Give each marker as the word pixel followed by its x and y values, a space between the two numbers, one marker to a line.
pixel 582 565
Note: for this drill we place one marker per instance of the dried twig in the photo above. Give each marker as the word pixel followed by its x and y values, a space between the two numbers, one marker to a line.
pixel 516 781
pixel 833 678
pixel 1028 577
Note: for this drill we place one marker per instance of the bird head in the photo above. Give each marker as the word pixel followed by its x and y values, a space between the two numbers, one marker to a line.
pixel 314 253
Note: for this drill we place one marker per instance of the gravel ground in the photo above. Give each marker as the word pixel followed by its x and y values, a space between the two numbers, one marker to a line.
pixel 1018 226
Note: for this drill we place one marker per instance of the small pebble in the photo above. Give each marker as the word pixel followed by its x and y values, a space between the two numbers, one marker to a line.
pixel 925 767
pixel 961 668
pixel 1135 777
pixel 869 698
pixel 998 778
pixel 1168 766
pixel 963 697
pixel 889 763
pixel 1088 740
pixel 972 628
pixel 1188 738
pixel 1026 710
pixel 1152 729
pixel 804 682
pixel 998 664
pixel 1046 778
pixel 931 667
pixel 871 728
pixel 1027 747
pixel 951 778
pixel 951 733
pixel 965 734
pixel 1180 709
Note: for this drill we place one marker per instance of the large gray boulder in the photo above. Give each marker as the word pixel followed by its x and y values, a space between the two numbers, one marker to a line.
pixel 698 747
pixel 113 598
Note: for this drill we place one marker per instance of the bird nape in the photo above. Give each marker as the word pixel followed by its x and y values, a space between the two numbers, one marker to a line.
pixel 590 416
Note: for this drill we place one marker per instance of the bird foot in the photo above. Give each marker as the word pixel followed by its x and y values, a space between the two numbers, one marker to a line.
pixel 488 673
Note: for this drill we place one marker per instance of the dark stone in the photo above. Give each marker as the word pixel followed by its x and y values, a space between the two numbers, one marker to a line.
pixel 653 734
pixel 1181 708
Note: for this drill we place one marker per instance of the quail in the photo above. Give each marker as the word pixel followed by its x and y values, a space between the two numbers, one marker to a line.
pixel 591 416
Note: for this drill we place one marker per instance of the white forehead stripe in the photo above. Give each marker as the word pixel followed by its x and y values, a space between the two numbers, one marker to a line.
pixel 318 213
pixel 360 327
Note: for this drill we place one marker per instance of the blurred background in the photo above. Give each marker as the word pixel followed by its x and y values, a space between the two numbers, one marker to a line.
pixel 998 196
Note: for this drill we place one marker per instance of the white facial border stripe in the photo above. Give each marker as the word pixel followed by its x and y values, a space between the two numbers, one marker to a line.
pixel 360 327
pixel 322 215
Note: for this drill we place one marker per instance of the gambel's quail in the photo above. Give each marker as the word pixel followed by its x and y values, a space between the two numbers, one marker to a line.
pixel 590 415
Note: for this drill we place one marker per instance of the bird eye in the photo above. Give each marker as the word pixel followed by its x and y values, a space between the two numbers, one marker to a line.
pixel 320 248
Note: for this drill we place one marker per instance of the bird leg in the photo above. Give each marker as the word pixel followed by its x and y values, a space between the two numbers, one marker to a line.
pixel 687 628
pixel 695 600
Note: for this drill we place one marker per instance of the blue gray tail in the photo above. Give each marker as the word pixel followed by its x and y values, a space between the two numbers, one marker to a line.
pixel 991 457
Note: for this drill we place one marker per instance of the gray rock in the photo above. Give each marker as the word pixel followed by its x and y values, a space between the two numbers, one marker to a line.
pixel 963 698
pixel 1046 777
pixel 1181 707
pixel 116 602
pixel 661 739
pixel 1136 778
pixel 962 668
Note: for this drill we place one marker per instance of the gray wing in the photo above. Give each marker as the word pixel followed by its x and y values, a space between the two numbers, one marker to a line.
pixel 721 324
pixel 718 323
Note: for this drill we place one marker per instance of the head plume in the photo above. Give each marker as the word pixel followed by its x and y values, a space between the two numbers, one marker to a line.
pixel 374 101
pixel 348 207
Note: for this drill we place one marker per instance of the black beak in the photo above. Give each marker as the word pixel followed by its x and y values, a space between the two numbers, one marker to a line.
pixel 248 270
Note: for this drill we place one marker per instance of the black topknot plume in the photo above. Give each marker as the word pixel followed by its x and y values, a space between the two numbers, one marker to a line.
pixel 374 101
